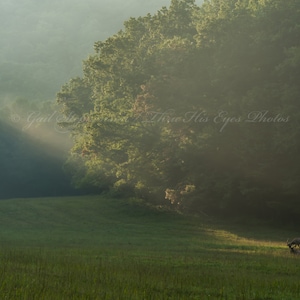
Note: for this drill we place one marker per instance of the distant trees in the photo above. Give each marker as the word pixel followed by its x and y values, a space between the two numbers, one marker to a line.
pixel 194 106
pixel 43 43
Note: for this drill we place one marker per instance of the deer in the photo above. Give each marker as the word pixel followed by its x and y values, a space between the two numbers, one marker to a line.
pixel 294 251
pixel 295 242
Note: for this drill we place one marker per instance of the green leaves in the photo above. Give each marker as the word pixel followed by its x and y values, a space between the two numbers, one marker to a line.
pixel 195 105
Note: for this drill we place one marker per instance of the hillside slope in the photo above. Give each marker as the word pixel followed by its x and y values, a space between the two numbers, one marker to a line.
pixel 95 247
pixel 99 221
pixel 82 221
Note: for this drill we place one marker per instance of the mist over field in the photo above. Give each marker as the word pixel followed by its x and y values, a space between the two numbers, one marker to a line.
pixel 42 46
pixel 187 105
pixel 149 149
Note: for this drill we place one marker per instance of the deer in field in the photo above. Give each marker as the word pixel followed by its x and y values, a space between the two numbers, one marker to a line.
pixel 295 242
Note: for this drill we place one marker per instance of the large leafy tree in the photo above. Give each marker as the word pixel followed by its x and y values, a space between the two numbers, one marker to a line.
pixel 197 105
pixel 116 140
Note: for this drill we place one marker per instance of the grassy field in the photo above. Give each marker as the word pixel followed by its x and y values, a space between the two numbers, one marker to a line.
pixel 100 248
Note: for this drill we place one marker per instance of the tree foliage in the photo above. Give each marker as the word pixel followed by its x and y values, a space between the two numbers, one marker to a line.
pixel 194 106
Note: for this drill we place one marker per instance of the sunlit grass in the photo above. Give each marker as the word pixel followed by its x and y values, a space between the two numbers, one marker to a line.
pixel 98 248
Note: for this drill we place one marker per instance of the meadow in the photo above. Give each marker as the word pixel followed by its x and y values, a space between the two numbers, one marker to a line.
pixel 95 247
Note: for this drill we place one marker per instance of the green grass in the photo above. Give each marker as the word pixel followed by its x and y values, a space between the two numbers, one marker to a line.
pixel 101 248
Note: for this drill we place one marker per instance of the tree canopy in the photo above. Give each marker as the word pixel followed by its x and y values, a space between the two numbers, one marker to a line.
pixel 194 106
